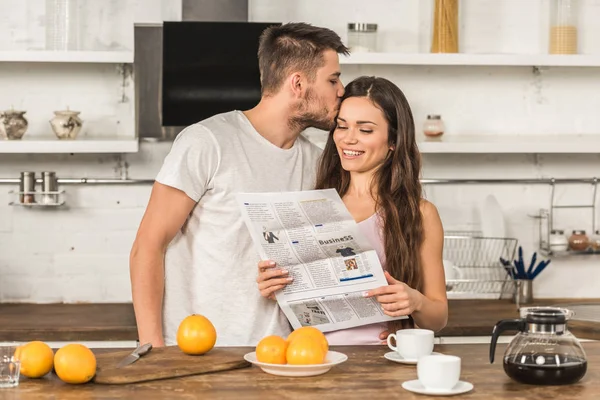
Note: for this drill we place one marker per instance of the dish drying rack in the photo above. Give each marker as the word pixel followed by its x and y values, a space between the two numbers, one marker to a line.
pixel 478 259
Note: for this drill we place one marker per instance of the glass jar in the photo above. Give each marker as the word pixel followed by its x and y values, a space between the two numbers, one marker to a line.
pixel 578 241
pixel 563 27
pixel 558 240
pixel 445 27
pixel 62 25
pixel 362 37
pixel 595 241
pixel 433 126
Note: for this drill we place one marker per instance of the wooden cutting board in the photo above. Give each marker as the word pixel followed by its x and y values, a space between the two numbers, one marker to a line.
pixel 164 363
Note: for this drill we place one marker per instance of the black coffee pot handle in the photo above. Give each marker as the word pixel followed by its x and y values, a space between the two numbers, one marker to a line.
pixel 501 326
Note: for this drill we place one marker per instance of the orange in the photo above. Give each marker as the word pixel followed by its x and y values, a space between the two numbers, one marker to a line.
pixel 271 350
pixel 305 350
pixel 312 332
pixel 75 363
pixel 196 335
pixel 37 359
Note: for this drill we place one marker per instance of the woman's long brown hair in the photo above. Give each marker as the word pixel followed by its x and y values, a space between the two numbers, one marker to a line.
pixel 396 186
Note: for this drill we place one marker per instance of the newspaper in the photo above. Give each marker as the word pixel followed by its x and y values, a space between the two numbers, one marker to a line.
pixel 313 236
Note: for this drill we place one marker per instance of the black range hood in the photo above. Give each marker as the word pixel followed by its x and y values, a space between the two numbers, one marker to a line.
pixel 209 68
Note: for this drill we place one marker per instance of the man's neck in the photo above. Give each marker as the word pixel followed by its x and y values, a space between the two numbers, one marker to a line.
pixel 270 118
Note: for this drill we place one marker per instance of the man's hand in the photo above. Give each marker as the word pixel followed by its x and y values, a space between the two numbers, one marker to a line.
pixel 271 279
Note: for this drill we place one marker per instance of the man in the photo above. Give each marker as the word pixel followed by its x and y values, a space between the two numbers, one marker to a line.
pixel 269 236
pixel 193 253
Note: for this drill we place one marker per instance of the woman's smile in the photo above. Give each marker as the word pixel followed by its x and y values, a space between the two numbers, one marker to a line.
pixel 351 154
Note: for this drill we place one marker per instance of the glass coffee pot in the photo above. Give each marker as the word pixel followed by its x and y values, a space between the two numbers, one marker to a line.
pixel 544 352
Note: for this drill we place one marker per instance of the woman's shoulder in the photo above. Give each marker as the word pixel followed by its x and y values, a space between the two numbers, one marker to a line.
pixel 428 209
pixel 431 218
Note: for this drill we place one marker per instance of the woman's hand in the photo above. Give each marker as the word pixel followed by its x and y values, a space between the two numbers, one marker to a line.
pixel 383 336
pixel 271 279
pixel 397 298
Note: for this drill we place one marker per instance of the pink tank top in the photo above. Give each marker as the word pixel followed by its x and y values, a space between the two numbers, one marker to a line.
pixel 366 334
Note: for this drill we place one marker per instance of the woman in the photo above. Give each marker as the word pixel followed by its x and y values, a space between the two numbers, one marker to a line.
pixel 371 158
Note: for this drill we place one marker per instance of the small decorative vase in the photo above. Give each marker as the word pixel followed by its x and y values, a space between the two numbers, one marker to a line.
pixel 66 124
pixel 12 124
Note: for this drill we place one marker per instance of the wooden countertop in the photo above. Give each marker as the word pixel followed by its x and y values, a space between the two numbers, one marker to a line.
pixel 65 322
pixel 365 375
pixel 97 322
pixel 478 317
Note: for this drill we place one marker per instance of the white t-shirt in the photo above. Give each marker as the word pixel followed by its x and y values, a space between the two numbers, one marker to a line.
pixel 211 265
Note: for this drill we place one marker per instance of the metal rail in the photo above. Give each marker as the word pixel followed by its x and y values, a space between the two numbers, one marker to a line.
pixel 116 181
pixel 86 181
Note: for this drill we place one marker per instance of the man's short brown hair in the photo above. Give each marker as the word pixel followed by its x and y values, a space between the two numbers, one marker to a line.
pixel 293 46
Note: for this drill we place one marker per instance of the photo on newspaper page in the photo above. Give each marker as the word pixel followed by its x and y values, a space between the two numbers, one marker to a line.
pixel 313 236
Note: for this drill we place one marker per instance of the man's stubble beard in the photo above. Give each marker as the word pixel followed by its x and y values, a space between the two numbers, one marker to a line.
pixel 307 117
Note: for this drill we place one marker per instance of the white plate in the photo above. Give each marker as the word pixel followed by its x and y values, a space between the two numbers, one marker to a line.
pixel 416 387
pixel 395 357
pixel 492 218
pixel 332 358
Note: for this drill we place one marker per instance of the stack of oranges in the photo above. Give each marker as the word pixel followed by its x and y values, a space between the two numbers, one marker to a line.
pixel 304 346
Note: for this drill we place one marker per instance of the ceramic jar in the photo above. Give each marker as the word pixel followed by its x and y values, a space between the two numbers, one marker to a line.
pixel 595 241
pixel 578 241
pixel 13 124
pixel 558 240
pixel 433 126
pixel 66 124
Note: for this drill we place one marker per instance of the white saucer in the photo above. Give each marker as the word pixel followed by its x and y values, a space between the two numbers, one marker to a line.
pixel 416 387
pixel 332 358
pixel 395 357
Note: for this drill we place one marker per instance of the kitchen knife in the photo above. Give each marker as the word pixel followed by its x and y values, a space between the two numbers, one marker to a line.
pixel 540 268
pixel 531 265
pixel 135 355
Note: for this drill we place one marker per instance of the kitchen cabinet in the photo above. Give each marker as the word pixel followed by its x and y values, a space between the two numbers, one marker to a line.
pixel 468 321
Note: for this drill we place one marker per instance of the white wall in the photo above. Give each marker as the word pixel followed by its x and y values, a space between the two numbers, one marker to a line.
pixel 80 253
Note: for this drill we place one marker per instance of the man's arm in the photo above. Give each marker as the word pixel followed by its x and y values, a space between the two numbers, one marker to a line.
pixel 166 213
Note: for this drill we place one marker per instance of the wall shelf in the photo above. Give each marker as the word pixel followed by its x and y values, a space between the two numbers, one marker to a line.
pixel 80 145
pixel 116 57
pixel 464 59
pixel 510 144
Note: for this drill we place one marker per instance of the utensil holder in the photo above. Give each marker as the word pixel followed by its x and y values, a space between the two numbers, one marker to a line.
pixel 523 291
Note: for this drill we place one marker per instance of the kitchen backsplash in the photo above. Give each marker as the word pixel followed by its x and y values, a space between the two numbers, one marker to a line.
pixel 80 253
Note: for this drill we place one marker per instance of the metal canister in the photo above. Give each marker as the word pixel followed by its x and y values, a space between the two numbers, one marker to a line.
pixel 27 188
pixel 49 187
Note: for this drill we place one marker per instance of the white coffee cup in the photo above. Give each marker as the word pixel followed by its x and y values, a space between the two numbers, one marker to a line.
pixel 438 371
pixel 411 343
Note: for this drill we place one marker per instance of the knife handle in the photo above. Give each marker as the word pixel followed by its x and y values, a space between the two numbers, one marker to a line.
pixel 144 349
